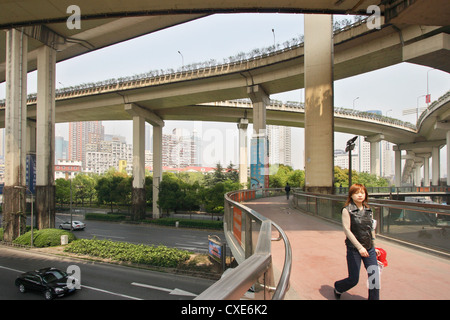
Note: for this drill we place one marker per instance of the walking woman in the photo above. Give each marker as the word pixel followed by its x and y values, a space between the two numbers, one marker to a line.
pixel 358 223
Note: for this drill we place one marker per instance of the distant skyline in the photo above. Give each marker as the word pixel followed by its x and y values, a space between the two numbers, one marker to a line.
pixel 390 90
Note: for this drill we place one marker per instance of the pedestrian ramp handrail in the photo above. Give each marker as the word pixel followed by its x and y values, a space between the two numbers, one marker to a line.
pixel 420 223
pixel 249 236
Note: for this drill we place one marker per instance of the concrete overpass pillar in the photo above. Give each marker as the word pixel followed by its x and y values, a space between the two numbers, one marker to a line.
pixel 426 168
pixel 417 173
pixel 13 217
pixel 375 153
pixel 448 157
pixel 435 170
pixel 138 190
pixel 243 157
pixel 259 166
pixel 157 167
pixel 139 116
pixel 398 166
pixel 45 142
pixel 319 106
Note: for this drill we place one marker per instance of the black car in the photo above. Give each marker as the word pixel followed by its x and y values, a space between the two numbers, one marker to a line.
pixel 51 282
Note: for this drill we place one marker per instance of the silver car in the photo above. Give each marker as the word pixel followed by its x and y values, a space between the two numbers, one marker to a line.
pixel 76 225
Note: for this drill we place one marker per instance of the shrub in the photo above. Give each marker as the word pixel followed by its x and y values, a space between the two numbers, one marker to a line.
pixel 105 217
pixel 44 238
pixel 122 251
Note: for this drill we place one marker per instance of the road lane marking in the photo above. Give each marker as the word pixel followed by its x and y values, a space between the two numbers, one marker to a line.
pixel 176 291
pixel 112 293
pixel 2 267
pixel 84 286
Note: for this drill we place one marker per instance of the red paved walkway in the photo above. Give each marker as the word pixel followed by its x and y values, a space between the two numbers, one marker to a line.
pixel 318 252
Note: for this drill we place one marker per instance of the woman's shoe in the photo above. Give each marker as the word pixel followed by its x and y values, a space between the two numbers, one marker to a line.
pixel 337 295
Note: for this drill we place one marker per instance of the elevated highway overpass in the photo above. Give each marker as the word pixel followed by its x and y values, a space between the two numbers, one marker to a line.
pixel 41 30
pixel 198 94
pixel 202 94
pixel 103 24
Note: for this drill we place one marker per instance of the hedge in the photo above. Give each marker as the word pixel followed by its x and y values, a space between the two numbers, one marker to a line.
pixel 44 238
pixel 188 223
pixel 104 217
pixel 122 251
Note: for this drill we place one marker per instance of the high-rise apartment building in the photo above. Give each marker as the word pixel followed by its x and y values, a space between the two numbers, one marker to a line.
pixel 106 154
pixel 180 149
pixel 280 151
pixel 81 134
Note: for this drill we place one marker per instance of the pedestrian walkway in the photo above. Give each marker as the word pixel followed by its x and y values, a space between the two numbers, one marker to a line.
pixel 318 260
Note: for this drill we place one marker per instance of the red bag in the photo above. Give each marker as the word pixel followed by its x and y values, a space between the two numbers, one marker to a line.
pixel 382 257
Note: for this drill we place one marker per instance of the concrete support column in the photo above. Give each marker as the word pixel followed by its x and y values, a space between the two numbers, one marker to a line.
pixel 13 216
pixel 45 142
pixel 448 157
pixel 259 165
pixel 140 116
pixel 138 189
pixel 398 166
pixel 426 171
pixel 319 105
pixel 375 153
pixel 417 174
pixel 426 167
pixel 157 167
pixel 435 170
pixel 375 158
pixel 243 157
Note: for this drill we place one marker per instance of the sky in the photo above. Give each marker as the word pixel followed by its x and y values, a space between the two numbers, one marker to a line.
pixel 391 90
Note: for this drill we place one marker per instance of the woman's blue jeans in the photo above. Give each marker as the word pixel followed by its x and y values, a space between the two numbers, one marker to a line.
pixel 354 264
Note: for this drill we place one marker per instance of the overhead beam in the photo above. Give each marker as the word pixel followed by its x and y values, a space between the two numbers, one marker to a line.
pixel 150 117
pixel 421 145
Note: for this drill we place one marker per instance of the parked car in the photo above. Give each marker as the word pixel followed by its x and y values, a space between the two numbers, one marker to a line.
pixel 51 282
pixel 76 225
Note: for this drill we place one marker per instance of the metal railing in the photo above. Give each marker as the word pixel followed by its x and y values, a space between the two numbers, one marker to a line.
pixel 398 190
pixel 417 223
pixel 249 236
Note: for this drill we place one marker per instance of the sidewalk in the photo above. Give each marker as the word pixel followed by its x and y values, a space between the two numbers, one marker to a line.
pixel 318 260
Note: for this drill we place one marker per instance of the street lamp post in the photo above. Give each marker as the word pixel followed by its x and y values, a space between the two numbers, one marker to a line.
pixel 349 148
pixel 182 60
pixel 354 102
pixel 428 99
pixel 417 106
pixel 274 45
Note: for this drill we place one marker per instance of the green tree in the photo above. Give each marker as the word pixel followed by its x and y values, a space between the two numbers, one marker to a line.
pixel 83 187
pixel 170 194
pixel 216 176
pixel 297 178
pixel 367 179
pixel 62 190
pixel 231 173
pixel 112 189
pixel 149 190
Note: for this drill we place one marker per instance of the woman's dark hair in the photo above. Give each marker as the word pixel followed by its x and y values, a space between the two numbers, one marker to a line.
pixel 354 189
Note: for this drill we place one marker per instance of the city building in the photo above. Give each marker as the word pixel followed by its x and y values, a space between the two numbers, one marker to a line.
pixel 361 158
pixel 81 134
pixel 67 169
pixel 180 149
pixel 280 151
